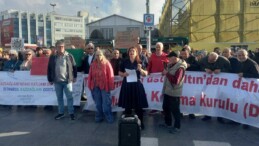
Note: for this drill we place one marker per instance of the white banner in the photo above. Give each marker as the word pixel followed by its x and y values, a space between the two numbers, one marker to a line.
pixel 20 88
pixel 223 95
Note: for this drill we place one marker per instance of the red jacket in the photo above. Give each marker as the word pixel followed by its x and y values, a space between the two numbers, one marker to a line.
pixel 101 75
pixel 157 63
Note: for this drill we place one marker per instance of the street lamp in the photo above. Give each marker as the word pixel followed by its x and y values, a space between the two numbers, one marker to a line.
pixel 53 5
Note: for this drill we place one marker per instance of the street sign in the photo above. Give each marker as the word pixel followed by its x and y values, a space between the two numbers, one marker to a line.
pixel 17 43
pixel 149 27
pixel 148 19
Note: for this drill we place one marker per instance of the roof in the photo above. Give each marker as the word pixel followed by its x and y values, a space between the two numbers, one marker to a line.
pixel 113 16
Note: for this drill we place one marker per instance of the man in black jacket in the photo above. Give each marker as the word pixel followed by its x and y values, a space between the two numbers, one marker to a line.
pixel 62 72
pixel 213 63
pixel 89 57
pixel 249 68
pixel 192 65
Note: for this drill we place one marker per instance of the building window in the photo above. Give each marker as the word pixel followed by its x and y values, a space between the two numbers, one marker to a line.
pixel 107 33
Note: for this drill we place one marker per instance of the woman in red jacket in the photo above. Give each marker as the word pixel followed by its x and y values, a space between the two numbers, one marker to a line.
pixel 101 82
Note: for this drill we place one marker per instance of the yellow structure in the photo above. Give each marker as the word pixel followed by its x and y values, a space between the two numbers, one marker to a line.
pixel 215 23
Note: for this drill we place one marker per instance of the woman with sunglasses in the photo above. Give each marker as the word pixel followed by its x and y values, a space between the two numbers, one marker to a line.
pixel 27 60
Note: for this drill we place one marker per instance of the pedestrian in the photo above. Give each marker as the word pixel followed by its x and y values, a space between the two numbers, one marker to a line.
pixel 14 63
pixel 132 94
pixel 156 64
pixel 172 90
pixel 27 60
pixel 62 72
pixel 101 82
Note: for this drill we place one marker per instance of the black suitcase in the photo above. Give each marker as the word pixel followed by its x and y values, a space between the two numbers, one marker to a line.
pixel 129 131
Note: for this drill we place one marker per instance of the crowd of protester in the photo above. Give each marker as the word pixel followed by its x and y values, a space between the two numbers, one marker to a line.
pixel 103 65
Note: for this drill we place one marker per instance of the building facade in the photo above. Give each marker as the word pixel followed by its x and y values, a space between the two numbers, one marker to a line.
pixel 221 23
pixel 103 32
pixel 41 29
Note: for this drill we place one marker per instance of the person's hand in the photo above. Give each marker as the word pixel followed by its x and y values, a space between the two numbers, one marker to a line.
pixel 125 74
pixel 208 71
pixel 188 65
pixel 217 71
pixel 164 72
pixel 139 68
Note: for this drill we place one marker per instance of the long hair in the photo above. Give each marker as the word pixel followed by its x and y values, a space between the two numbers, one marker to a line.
pixel 137 56
pixel 101 52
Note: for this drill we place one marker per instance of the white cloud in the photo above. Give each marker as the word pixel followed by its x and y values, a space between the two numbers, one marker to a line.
pixel 135 9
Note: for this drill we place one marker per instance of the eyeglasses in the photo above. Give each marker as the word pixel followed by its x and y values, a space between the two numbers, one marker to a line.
pixel 11 54
pixel 90 48
pixel 28 54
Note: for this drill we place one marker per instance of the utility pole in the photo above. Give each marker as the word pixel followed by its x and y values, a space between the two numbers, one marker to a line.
pixel 148 35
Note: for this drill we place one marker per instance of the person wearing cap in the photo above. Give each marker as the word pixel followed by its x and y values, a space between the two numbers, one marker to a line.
pixel 14 62
pixel 172 90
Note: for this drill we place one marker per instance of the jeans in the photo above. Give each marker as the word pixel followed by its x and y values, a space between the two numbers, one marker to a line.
pixel 61 88
pixel 103 104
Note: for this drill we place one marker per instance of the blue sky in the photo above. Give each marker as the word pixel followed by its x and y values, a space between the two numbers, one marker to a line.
pixel 133 9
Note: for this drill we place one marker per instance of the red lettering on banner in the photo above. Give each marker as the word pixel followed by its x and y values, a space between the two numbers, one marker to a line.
pixel 186 101
pixel 193 80
pixel 154 96
pixel 253 110
pixel 216 81
pixel 246 86
pixel 117 84
pixel 155 80
pixel 210 80
pixel 218 103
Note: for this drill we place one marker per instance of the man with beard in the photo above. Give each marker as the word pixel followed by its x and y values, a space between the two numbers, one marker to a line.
pixel 249 68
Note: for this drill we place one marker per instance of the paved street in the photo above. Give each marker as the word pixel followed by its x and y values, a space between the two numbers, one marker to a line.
pixel 36 127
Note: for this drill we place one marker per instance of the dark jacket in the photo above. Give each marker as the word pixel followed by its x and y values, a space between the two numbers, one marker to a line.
pixel 235 65
pixel 221 63
pixel 194 65
pixel 86 65
pixel 250 69
pixel 71 68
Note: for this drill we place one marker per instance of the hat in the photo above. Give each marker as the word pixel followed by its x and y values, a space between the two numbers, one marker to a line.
pixel 173 54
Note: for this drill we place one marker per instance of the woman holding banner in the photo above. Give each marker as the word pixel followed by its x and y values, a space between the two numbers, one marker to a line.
pixel 101 82
pixel 132 94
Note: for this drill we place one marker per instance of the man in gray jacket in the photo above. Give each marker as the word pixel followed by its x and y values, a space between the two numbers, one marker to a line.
pixel 62 73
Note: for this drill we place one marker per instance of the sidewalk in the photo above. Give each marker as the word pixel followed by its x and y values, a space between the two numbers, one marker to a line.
pixel 37 127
